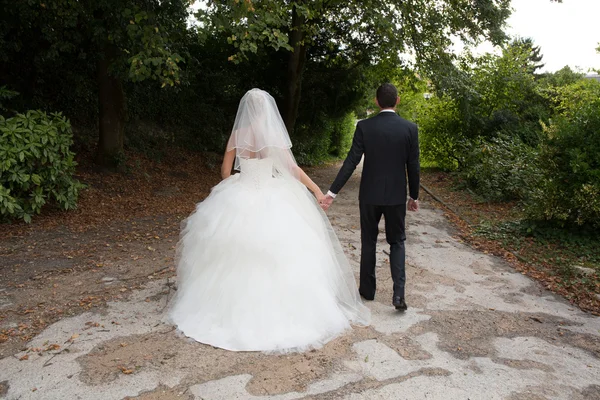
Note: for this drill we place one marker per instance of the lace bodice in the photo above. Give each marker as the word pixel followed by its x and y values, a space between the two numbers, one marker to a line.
pixel 256 172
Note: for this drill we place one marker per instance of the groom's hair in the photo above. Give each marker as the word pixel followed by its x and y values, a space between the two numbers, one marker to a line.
pixel 387 95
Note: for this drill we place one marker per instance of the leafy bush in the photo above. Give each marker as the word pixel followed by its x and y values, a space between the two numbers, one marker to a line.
pixel 324 139
pixel 5 94
pixel 569 192
pixel 312 142
pixel 342 135
pixel 440 133
pixel 503 169
pixel 481 99
pixel 36 164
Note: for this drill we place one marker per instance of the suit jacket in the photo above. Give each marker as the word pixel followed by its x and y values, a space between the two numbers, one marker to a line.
pixel 390 145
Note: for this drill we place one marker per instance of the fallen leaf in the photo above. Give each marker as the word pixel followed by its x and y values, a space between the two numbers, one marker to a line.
pixel 127 371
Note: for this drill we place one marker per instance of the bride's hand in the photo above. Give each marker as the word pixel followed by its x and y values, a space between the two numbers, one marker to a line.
pixel 320 197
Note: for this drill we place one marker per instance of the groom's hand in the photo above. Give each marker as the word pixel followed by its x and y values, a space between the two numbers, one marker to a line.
pixel 413 205
pixel 326 202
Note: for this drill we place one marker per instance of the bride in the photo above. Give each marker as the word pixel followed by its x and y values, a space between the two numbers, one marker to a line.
pixel 259 265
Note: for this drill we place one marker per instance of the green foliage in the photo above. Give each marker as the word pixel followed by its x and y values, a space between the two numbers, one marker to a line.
pixel 505 99
pixel 312 142
pixel 412 92
pixel 355 27
pixel 563 77
pixel 512 134
pixel 502 169
pixel 74 56
pixel 482 99
pixel 36 164
pixel 6 94
pixel 570 99
pixel 324 139
pixel 534 52
pixel 342 135
pixel 354 32
pixel 61 33
pixel 569 192
pixel 440 133
pixel 150 38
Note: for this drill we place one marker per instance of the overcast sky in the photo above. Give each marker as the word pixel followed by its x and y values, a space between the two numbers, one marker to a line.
pixel 567 32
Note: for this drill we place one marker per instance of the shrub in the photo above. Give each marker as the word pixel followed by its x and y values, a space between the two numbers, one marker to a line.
pixel 342 135
pixel 5 94
pixel 324 139
pixel 36 164
pixel 311 143
pixel 569 192
pixel 502 169
pixel 440 133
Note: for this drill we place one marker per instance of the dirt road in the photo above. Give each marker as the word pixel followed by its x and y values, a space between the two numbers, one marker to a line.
pixel 475 329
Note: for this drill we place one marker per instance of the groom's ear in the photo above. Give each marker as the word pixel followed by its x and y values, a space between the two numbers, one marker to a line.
pixel 377 102
pixel 397 100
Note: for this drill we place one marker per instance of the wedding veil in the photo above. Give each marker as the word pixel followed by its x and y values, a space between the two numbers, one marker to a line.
pixel 259 132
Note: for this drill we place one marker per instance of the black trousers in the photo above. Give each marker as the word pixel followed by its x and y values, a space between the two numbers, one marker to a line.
pixel 395 234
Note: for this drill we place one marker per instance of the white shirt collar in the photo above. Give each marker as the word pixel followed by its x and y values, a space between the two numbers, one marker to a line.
pixel 382 111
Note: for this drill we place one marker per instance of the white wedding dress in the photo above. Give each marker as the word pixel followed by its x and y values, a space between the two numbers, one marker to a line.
pixel 260 268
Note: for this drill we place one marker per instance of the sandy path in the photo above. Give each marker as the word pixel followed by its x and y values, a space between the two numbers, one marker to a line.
pixel 475 329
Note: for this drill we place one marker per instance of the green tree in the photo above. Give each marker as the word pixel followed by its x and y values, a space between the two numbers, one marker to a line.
pixel 569 192
pixel 378 31
pixel 497 94
pixel 491 100
pixel 109 40
pixel 534 53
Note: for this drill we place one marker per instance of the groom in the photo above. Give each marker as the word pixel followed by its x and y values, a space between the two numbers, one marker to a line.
pixel 390 145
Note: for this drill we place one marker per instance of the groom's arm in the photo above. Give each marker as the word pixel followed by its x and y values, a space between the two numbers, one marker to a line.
pixel 412 164
pixel 352 160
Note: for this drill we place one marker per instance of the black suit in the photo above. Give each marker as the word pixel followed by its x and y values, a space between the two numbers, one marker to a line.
pixel 390 145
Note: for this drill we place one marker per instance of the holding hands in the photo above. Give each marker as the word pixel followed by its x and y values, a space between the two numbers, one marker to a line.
pixel 325 202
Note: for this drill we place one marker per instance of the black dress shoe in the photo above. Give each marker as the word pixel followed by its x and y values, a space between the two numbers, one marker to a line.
pixel 368 298
pixel 399 303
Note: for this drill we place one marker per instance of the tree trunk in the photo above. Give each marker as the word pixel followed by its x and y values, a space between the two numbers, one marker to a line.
pixel 295 70
pixel 111 102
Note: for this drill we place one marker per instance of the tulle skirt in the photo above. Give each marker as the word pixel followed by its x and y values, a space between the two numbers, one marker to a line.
pixel 262 270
